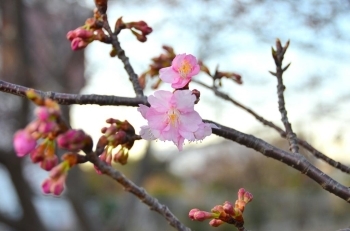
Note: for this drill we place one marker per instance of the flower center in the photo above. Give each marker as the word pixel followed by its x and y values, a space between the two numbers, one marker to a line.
pixel 185 68
pixel 173 116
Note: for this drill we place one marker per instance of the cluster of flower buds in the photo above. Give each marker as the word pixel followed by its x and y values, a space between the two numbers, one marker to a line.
pixel 92 30
pixel 140 29
pixel 119 134
pixel 37 138
pixel 75 140
pixel 57 177
pixel 226 213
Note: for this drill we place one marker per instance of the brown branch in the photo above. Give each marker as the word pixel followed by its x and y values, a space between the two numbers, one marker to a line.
pixel 68 99
pixel 295 160
pixel 139 192
pixel 133 77
pixel 278 56
pixel 283 134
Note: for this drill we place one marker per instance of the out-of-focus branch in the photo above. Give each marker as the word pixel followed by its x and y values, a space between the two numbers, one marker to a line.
pixel 283 134
pixel 68 99
pixel 278 56
pixel 139 192
pixel 295 160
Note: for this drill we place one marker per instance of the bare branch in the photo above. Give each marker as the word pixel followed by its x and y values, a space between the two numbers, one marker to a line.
pixel 278 56
pixel 68 99
pixel 133 77
pixel 295 160
pixel 139 192
pixel 283 134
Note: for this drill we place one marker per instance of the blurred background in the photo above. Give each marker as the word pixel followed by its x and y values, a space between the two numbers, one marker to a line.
pixel 236 35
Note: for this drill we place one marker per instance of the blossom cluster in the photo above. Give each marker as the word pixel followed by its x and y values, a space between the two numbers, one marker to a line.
pixel 171 115
pixel 39 138
pixel 226 213
pixel 119 134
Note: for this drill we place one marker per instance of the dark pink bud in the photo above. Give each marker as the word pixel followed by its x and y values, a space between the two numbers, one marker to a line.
pixel 49 163
pixel 71 35
pixel 83 33
pixel 228 207
pixel 215 222
pixel 78 44
pixel 241 193
pixel 248 197
pixel 192 212
pixel 23 143
pixel 202 215
pixel 72 140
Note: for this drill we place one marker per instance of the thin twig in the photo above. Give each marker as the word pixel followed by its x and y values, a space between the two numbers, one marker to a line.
pixel 133 77
pixel 295 160
pixel 283 134
pixel 278 56
pixel 68 99
pixel 139 192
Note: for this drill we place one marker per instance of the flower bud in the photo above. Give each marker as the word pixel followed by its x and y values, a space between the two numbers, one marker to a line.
pixel 215 222
pixel 23 143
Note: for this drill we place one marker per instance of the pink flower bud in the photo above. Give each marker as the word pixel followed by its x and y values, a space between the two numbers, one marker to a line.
pixel 228 207
pixel 78 44
pixel 83 33
pixel 215 222
pixel 202 215
pixel 241 193
pixel 49 162
pixel 248 197
pixel 72 140
pixel 192 212
pixel 71 35
pixel 23 143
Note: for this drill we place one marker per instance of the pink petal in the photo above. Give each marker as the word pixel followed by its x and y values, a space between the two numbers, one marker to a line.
pixel 190 121
pixel 181 83
pixel 143 110
pixel 203 131
pixel 195 70
pixel 169 75
pixel 177 61
pixel 146 133
pixel 160 100
pixel 184 100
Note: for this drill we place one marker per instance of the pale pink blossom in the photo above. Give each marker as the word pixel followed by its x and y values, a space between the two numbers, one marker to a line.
pixel 180 72
pixel 172 117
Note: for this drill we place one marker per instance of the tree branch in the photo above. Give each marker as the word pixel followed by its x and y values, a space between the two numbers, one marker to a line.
pixel 283 134
pixel 295 160
pixel 68 99
pixel 278 56
pixel 139 192
pixel 133 77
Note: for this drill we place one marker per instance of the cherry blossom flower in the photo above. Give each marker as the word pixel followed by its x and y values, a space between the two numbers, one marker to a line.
pixel 180 72
pixel 172 117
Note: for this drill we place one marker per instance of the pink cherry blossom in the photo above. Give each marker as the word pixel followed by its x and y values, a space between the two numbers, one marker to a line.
pixel 23 143
pixel 180 72
pixel 172 117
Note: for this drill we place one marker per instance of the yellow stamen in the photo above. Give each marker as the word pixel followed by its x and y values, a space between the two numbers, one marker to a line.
pixel 185 68
pixel 173 115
